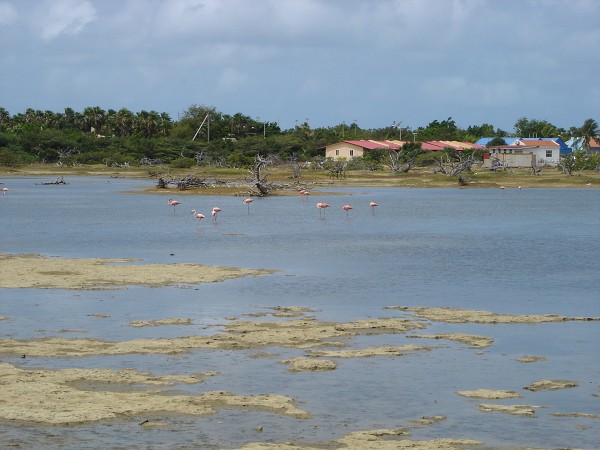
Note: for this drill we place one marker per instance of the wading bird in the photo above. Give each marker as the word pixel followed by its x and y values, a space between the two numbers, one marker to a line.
pixel 373 205
pixel 347 208
pixel 247 201
pixel 322 207
pixel 174 203
pixel 197 215
pixel 216 210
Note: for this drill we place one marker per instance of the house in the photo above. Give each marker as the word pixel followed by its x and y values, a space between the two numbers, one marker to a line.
pixel 524 153
pixel 357 148
pixel 565 148
pixel 575 144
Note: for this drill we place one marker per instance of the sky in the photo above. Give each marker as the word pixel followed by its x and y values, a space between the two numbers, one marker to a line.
pixel 375 63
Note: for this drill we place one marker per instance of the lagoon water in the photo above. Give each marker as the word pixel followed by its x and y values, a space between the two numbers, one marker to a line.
pixel 530 251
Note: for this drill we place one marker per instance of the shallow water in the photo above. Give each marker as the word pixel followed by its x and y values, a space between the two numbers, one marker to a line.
pixel 530 251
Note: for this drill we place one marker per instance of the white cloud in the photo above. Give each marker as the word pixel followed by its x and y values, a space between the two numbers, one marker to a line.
pixel 483 60
pixel 8 14
pixel 56 17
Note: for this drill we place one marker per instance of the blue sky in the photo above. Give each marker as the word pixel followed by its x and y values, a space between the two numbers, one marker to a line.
pixel 373 62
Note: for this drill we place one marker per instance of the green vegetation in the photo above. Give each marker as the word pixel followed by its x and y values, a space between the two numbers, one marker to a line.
pixel 205 137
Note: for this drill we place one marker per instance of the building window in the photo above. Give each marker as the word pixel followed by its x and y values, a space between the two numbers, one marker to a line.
pixel 351 152
pixel 337 153
pixel 548 153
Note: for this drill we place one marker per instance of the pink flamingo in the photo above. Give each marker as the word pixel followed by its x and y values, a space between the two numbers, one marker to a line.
pixel 304 193
pixel 214 213
pixel 174 203
pixel 247 201
pixel 4 191
pixel 373 205
pixel 347 208
pixel 322 207
pixel 197 215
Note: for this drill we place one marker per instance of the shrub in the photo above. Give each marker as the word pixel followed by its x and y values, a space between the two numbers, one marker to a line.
pixel 10 158
pixel 183 163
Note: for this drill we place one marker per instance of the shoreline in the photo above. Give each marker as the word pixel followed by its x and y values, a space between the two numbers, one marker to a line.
pixel 421 177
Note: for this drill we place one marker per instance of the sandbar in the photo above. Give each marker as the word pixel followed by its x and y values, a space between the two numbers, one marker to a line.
pixel 36 271
pixel 79 395
pixel 517 410
pixel 309 364
pixel 296 333
pixel 472 340
pixel 388 350
pixel 456 315
pixel 551 385
pixel 489 394
pixel 382 439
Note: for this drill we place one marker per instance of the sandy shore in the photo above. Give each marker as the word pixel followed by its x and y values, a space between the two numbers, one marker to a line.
pixel 419 177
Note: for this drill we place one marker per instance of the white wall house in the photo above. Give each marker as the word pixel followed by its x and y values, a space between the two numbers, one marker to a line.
pixel 356 148
pixel 525 153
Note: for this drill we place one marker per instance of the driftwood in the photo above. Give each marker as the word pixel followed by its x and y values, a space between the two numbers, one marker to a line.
pixel 59 180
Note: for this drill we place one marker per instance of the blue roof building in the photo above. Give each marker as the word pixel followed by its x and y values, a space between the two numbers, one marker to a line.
pixel 564 148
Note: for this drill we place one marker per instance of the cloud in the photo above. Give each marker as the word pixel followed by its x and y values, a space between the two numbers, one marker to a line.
pixel 447 89
pixel 8 14
pixel 56 17
pixel 230 80
pixel 364 60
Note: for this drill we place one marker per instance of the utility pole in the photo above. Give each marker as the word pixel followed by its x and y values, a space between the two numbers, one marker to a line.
pixel 200 127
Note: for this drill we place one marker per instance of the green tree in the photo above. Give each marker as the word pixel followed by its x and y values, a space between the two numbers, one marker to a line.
pixel 527 128
pixel 495 142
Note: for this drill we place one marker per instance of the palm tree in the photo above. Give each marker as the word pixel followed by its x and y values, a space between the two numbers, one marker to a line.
pixel 94 119
pixel 124 122
pixel 4 119
pixel 589 131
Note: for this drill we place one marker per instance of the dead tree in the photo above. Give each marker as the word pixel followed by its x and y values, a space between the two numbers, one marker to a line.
pixel 496 164
pixel 199 156
pixel 567 164
pixel 451 167
pixel 63 156
pixel 338 170
pixel 399 163
pixel 295 167
pixel 259 174
pixel 536 169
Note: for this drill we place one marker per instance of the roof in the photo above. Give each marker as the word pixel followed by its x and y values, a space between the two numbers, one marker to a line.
pixel 372 144
pixel 486 140
pixel 515 147
pixel 441 145
pixel 538 142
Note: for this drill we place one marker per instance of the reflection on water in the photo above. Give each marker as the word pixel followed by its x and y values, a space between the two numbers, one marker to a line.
pixel 532 251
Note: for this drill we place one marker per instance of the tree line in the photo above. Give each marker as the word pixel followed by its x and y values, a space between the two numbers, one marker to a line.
pixel 203 135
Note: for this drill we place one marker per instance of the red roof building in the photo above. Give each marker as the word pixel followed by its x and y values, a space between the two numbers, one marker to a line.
pixel 357 148
pixel 442 145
